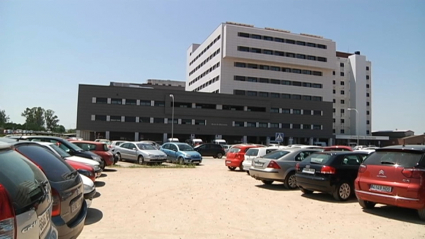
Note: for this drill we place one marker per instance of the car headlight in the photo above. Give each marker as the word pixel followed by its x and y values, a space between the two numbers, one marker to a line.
pixel 151 155
pixel 86 173
pixel 88 188
pixel 96 158
pixel 96 167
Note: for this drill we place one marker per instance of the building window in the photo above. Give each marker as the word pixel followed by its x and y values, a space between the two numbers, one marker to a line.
pixel 286 82
pixel 130 102
pixel 159 103
pixel 274 68
pixel 240 64
pixel 301 43
pixel 334 120
pixel 199 122
pixel 342 82
pixel 321 46
pixel 275 81
pixel 367 132
pixel 367 95
pixel 317 127
pixel 333 73
pixel 279 53
pixel 274 95
pixel 239 78
pixel 130 119
pixel 251 93
pixel 333 110
pixel 239 124
pixel 342 121
pixel 334 100
pixel 286 96
pixel 306 97
pixel 243 48
pixel 341 64
pixel 255 36
pixel 276 39
pixel 251 79
pixel 158 120
pixel 296 97
pixel 367 68
pixel 334 91
pixel 367 86
pixel 263 94
pixel 255 50
pixel 286 126
pixel 252 66
pixel 267 38
pixel 263 80
pixel 342 131
pixel 263 125
pixel 145 102
pixel 115 118
pixel 367 112
pixel 296 126
pixel 367 122
pixel 274 110
pixel 367 77
pixel 342 111
pixel 342 73
pixel 243 34
pixel 187 121
pixel 342 92
pixel 238 92
pixel 264 67
pixel 100 118
pixel 322 59
pixel 274 125
pixel 267 52
pixel 306 126
pixel 317 112
pixel 101 100
pixel 289 41
pixel 367 104
pixel 342 102
pixel 286 111
pixel 144 120
pixel 296 111
pixel 306 112
pixel 115 101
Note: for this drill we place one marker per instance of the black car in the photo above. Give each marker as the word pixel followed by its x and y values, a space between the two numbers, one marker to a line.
pixel 331 172
pixel 25 198
pixel 64 144
pixel 214 150
pixel 69 207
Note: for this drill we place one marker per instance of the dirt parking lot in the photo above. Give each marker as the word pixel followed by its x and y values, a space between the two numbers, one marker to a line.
pixel 210 201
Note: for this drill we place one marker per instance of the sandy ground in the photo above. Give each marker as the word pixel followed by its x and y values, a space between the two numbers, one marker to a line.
pixel 210 201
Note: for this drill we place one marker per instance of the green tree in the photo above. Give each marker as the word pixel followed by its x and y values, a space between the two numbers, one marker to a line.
pixel 60 129
pixel 34 118
pixel 3 118
pixel 51 120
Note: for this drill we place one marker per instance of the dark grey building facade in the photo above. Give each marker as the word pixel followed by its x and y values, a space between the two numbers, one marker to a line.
pixel 122 111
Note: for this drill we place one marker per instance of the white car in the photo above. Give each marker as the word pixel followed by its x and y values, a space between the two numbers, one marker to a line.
pixel 89 189
pixel 253 153
pixel 61 153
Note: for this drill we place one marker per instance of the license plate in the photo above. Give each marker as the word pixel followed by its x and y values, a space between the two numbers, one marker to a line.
pixel 258 164
pixel 309 170
pixel 75 206
pixel 380 188
pixel 43 220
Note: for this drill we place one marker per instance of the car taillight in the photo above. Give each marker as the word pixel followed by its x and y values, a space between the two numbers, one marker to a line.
pixel 413 173
pixel 328 170
pixel 56 207
pixel 362 168
pixel 297 167
pixel 7 215
pixel 273 164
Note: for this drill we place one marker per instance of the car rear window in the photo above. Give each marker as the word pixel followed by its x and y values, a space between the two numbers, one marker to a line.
pixel 400 158
pixel 55 168
pixel 317 159
pixel 276 154
pixel 21 178
pixel 234 150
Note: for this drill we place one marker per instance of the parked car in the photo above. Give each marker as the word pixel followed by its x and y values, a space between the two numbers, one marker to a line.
pixel 64 144
pixel 83 169
pixel 393 175
pixel 226 147
pixel 70 159
pixel 279 166
pixel 69 207
pixel 337 148
pixel 253 153
pixel 331 172
pixel 181 153
pixel 236 155
pixel 112 146
pixel 99 148
pixel 140 152
pixel 25 198
pixel 89 190
pixel 210 149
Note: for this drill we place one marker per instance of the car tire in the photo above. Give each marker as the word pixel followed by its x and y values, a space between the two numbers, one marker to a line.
pixel 267 182
pixel 102 164
pixel 247 172
pixel 290 181
pixel 119 157
pixel 421 213
pixel 140 160
pixel 343 191
pixel 231 168
pixel 219 155
pixel 366 204
pixel 180 160
pixel 306 191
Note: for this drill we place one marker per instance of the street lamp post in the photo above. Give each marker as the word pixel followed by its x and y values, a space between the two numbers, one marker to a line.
pixel 172 118
pixel 357 126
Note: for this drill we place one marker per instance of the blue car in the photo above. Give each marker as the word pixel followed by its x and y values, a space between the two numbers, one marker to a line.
pixel 181 153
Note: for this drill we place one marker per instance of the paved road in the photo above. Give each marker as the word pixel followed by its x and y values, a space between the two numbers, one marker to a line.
pixel 211 202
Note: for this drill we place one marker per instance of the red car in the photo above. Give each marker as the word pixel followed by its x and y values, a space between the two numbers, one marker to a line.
pixel 236 154
pixel 393 175
pixel 337 148
pixel 83 169
pixel 99 148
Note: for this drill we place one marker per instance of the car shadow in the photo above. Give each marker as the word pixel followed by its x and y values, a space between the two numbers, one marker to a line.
pixel 97 194
pixel 275 187
pixel 326 197
pixel 93 215
pixel 99 183
pixel 109 170
pixel 103 175
pixel 396 213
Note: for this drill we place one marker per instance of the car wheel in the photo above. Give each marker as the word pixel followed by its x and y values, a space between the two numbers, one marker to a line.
pixel 232 168
pixel 291 181
pixel 343 191
pixel 421 213
pixel 267 182
pixel 141 160
pixel 306 191
pixel 366 204
pixel 219 155
pixel 181 160
pixel 102 164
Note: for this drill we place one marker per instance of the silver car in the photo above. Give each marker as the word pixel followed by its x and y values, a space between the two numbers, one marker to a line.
pixel 279 166
pixel 140 152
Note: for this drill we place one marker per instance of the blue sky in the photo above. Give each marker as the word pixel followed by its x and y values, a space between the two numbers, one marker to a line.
pixel 47 48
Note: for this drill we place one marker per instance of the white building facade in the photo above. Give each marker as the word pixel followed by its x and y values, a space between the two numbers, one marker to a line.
pixel 241 59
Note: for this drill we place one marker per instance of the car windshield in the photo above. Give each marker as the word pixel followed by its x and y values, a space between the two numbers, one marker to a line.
pixel 60 151
pixel 276 154
pixel 399 158
pixel 146 147
pixel 317 159
pixel 185 147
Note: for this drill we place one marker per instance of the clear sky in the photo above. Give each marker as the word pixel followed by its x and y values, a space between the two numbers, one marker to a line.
pixel 49 47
